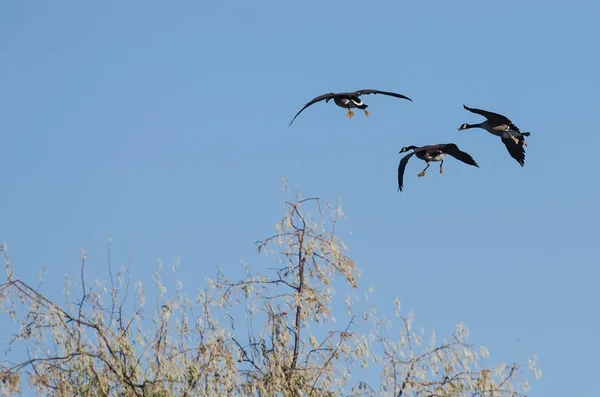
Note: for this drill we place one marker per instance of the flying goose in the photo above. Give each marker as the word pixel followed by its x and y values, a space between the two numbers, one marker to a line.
pixel 349 100
pixel 501 126
pixel 432 153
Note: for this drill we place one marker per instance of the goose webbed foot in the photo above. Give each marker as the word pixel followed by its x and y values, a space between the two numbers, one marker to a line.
pixel 441 169
pixel 422 173
pixel 367 113
pixel 525 143
pixel 514 139
pixel 350 114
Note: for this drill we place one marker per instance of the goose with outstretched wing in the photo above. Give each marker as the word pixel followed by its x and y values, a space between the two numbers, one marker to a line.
pixel 502 127
pixel 349 100
pixel 432 153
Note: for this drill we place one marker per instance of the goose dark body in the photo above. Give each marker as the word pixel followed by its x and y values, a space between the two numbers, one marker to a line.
pixel 432 153
pixel 349 100
pixel 502 127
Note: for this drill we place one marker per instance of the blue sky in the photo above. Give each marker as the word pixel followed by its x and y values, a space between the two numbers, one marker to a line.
pixel 165 127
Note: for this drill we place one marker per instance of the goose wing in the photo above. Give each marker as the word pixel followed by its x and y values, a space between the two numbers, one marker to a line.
pixel 493 117
pixel 401 168
pixel 516 151
pixel 454 151
pixel 369 91
pixel 330 95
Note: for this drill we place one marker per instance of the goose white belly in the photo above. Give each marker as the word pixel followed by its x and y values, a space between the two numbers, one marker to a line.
pixel 348 103
pixel 437 157
pixel 498 130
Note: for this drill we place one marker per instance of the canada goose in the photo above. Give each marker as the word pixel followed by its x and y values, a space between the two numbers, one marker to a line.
pixel 501 126
pixel 432 153
pixel 349 100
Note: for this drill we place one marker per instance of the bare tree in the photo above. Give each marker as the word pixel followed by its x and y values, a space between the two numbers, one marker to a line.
pixel 108 342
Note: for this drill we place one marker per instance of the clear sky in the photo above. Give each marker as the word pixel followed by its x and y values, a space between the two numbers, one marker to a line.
pixel 165 127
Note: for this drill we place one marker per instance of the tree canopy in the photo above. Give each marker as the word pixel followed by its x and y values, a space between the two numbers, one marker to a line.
pixel 108 341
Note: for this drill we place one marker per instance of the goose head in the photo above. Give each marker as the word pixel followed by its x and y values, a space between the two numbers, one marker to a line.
pixel 407 148
pixel 466 126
